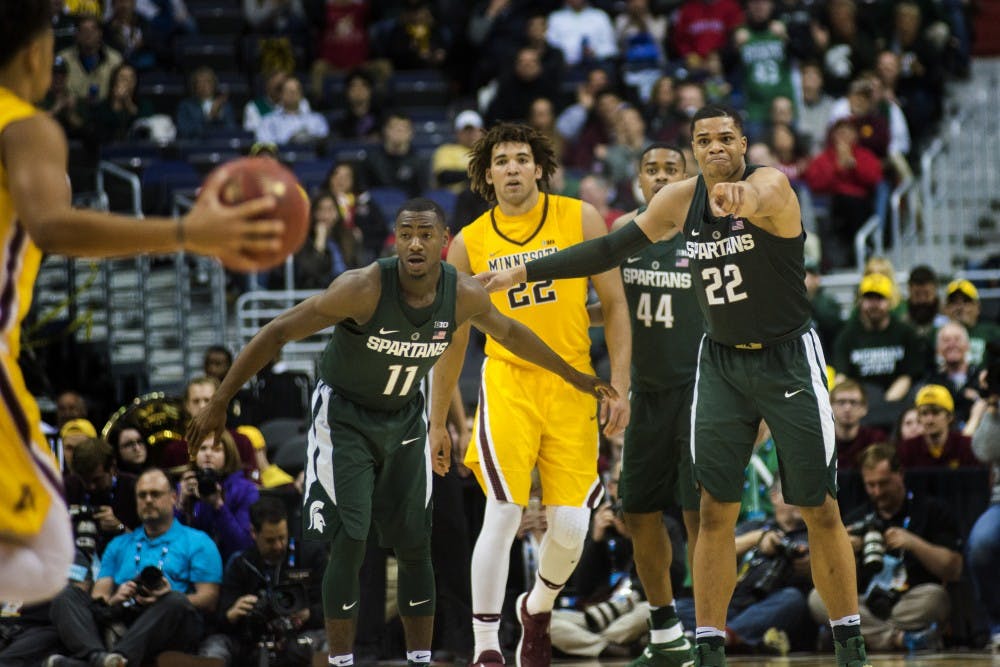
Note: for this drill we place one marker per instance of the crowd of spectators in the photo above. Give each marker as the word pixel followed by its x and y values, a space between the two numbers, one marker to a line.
pixel 841 96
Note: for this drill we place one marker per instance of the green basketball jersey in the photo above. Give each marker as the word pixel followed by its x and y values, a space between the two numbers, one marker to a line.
pixel 666 319
pixel 750 284
pixel 380 364
pixel 767 73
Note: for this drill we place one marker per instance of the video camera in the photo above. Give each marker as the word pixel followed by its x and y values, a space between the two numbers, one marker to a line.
pixel 270 624
pixel 774 569
pixel 870 529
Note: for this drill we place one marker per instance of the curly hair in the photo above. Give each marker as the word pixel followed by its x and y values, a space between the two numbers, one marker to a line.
pixel 482 155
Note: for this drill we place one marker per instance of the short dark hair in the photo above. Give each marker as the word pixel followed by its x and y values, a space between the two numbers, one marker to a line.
pixel 717 111
pixel 516 133
pixel 21 21
pixel 421 204
pixel 91 454
pixel 921 275
pixel 658 145
pixel 267 509
pixel 219 349
pixel 872 455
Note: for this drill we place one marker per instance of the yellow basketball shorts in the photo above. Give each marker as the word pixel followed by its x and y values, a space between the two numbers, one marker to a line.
pixel 29 471
pixel 528 417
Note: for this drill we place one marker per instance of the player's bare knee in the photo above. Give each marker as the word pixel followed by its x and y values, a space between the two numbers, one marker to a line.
pixel 645 524
pixel 822 517
pixel 569 525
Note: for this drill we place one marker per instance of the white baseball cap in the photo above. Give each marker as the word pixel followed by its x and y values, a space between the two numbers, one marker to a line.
pixel 468 118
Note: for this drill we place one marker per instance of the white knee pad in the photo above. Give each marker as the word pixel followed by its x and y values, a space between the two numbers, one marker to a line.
pixel 568 526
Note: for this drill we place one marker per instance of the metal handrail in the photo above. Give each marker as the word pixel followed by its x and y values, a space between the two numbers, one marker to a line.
pixel 872 227
pixel 112 169
pixel 895 202
pixel 926 165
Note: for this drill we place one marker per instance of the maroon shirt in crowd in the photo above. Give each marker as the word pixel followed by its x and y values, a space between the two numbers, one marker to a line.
pixel 957 452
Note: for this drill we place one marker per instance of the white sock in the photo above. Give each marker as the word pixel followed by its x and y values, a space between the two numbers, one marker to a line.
pixel 418 656
pixel 852 619
pixel 708 631
pixel 485 634
pixel 345 660
pixel 543 595
pixel 490 563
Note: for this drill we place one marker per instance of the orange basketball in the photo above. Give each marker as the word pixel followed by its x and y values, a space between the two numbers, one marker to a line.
pixel 252 177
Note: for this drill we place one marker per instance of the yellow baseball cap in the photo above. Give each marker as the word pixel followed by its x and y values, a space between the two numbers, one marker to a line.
pixel 876 283
pixel 254 435
pixel 78 427
pixel 963 286
pixel 935 394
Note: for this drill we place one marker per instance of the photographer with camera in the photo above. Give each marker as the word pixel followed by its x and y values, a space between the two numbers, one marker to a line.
pixel 270 607
pixel 215 496
pixel 984 540
pixel 769 601
pixel 907 548
pixel 101 500
pixel 156 581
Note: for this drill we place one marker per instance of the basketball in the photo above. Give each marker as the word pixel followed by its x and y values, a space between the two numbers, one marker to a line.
pixel 251 177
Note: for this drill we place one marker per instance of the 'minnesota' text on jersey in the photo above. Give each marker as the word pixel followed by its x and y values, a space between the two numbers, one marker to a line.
pixel 380 364
pixel 556 310
pixel 750 283
pixel 666 319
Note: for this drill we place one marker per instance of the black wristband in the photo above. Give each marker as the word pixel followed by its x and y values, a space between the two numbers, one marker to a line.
pixel 590 257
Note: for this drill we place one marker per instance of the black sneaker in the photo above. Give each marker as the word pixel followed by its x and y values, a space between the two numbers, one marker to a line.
pixel 851 653
pixel 709 656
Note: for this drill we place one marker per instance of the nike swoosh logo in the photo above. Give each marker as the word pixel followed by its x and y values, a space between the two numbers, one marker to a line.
pixel 348 607
pixel 789 394
pixel 632 260
pixel 694 233
pixel 386 332
pixel 419 602
pixel 406 442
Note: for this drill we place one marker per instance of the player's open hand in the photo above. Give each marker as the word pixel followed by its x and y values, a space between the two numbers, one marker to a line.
pixel 499 281
pixel 615 413
pixel 440 441
pixel 211 421
pixel 230 232
pixel 738 199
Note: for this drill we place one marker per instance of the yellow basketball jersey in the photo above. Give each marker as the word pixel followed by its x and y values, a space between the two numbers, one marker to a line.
pixel 30 473
pixel 555 310
pixel 20 257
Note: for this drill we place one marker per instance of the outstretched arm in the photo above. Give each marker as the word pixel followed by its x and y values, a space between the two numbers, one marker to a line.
pixel 353 295
pixel 666 212
pixel 34 154
pixel 523 342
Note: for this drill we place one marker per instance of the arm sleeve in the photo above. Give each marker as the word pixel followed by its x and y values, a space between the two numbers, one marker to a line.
pixel 590 257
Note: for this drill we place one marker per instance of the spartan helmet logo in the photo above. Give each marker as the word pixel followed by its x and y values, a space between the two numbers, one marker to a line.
pixel 316 520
